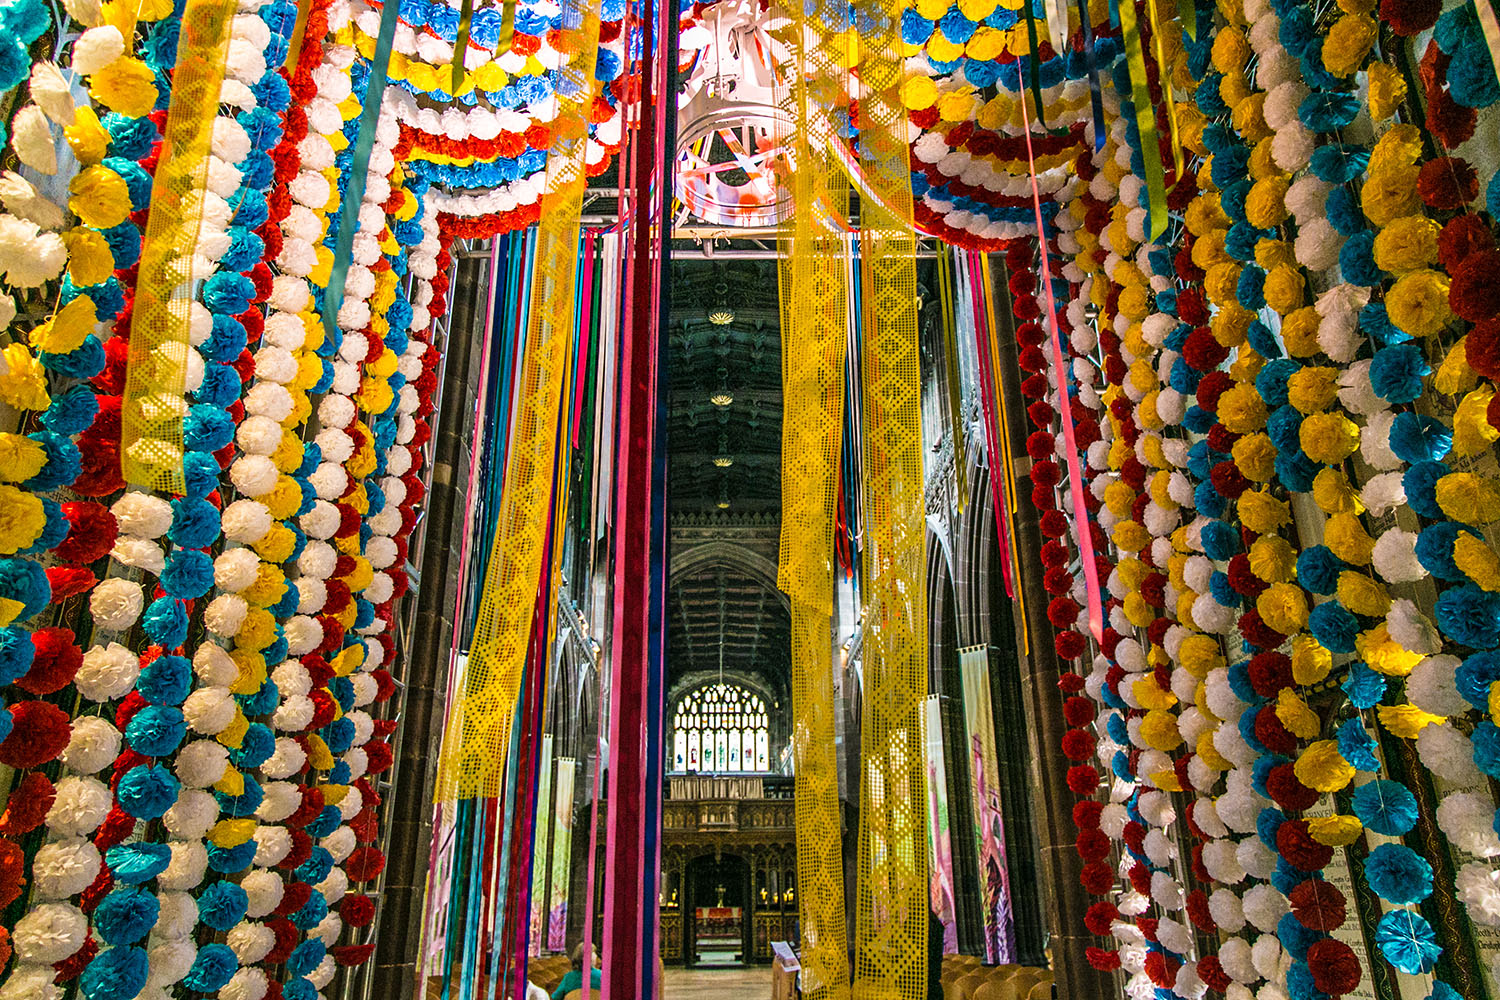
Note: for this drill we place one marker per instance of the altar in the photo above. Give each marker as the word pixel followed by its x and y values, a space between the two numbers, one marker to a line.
pixel 719 928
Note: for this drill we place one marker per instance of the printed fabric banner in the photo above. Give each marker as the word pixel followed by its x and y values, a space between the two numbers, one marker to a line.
pixel 939 838
pixel 989 820
pixel 562 849
pixel 542 831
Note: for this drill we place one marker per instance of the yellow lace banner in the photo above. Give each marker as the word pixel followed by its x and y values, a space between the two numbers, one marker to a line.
pixel 891 935
pixel 154 402
pixel 815 321
pixel 477 734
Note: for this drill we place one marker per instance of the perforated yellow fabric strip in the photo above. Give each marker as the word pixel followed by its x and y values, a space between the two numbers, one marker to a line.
pixel 891 935
pixel 154 403
pixel 815 317
pixel 478 732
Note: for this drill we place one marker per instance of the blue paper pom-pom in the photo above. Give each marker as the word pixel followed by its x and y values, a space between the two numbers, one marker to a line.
pixel 1294 937
pixel 1420 484
pixel 212 969
pixel 1385 807
pixel 166 680
pixel 1357 746
pixel 222 905
pixel 244 804
pixel 195 523
pixel 16 654
pixel 132 864
pixel 1364 686
pixel 1396 372
pixel 156 731
pixel 1398 874
pixel 1435 549
pixel 126 915
pixel 262 702
pixel 147 791
pixel 228 860
pixel 1416 437
pixel 1470 616
pixel 323 824
pixel 25 582
pixel 306 956
pixel 299 988
pixel 1333 627
pixel 1318 569
pixel 72 411
pixel 1220 541
pixel 1474 677
pixel 317 866
pixel 1486 738
pixel 188 574
pixel 1407 941
pixel 207 428
pixel 115 974
pixel 312 912
pixel 165 622
pixel 255 748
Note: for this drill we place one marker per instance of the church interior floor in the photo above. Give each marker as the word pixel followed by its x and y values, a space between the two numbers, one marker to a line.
pixel 747 982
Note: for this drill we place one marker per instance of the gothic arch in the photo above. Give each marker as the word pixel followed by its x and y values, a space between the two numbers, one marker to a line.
pixel 695 558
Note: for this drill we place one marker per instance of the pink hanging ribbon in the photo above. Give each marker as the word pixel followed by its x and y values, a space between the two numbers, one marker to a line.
pixel 1082 533
pixel 999 480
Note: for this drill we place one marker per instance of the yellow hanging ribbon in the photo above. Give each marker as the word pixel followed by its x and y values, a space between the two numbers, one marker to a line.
pixel 1163 75
pixel 1145 118
pixel 299 29
pixel 154 403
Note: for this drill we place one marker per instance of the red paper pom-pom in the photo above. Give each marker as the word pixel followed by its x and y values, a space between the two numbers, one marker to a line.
pixel 1447 183
pixel 1270 732
pixel 1054 524
pixel 5 949
pixel 1062 612
pixel 1078 744
pixel 54 664
pixel 1199 913
pixel 293 898
pixel 1086 813
pixel 1475 294
pixel 357 909
pixel 287 937
pixel 1082 779
pixel 1070 683
pixel 1162 970
pixel 379 755
pixel 1270 672
pixel 1463 235
pixel 91 534
pixel 69 581
pixel 27 806
pixel 1334 967
pixel 12 872
pixel 364 864
pixel 118 824
pixel 1099 917
pixel 1299 848
pixel 1092 845
pixel 1318 905
pixel 1410 17
pixel 1099 958
pixel 38 734
pixel 1070 646
pixel 1212 386
pixel 1287 790
pixel 352 954
pixel 1097 878
pixel 1450 123
pixel 1211 971
pixel 1078 711
pixel 1203 351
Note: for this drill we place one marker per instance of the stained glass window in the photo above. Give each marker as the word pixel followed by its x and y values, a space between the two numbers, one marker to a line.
pixel 721 728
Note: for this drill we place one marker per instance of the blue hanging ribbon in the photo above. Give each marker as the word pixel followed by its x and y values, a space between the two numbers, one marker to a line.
pixel 354 195
pixel 1096 98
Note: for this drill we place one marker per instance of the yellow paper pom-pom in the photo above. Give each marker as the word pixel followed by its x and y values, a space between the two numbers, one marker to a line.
pixel 957 105
pixel 1159 730
pixel 1311 663
pixel 1418 303
pixel 1270 254
pixel 1454 376
pixel 1383 654
pixel 1387 90
pixel 1148 694
pixel 232 736
pixel 1230 50
pixel 1329 437
pixel 23 380
pixel 277 545
pixel 99 197
pixel 1283 606
pixel 1137 611
pixel 1221 282
pixel 1478 561
pixel 1265 205
pixel 318 754
pixel 1405 721
pixel 1255 457
pixel 1467 498
pixel 1347 44
pixel 66 330
pixel 1313 388
pixel 1272 559
pixel 1299 331
pixel 257 631
pixel 919 93
pixel 1472 430
pixel 87 138
pixel 1389 194
pixel 1284 289
pixel 269 588
pixel 1200 654
pixel 1261 512
pixel 233 782
pixel 1241 409
pixel 359 578
pixel 1130 536
pixel 1322 768
pixel 1407 244
pixel 1362 595
pixel 1335 831
pixel 227 833
pixel 90 259
pixel 1348 540
pixel 1299 720
pixel 20 457
pixel 1334 494
pixel 126 85
pixel 22 519
pixel 251 667
pixel 995 113
pixel 1209 754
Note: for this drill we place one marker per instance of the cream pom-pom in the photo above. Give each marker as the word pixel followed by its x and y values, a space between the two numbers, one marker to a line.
pixel 1318 244
pixel 380 589
pixel 178 916
pixel 254 475
pixel 116 604
pixel 275 363
pixel 291 678
pixel 394 490
pixel 1234 953
pixel 264 889
pixel 80 805
pixel 1211 616
pixel 225 614
pixel 209 710
pixel 31 138
pixel 64 868
pixel 1222 862
pixel 317 559
pixel 323 520
pixel 213 666
pixel 398 461
pixel 289 295
pixel 330 481
pixel 1431 686
pixel 246 521
pixel 297 257
pixel 170 961
pixel 284 330
pixel 387 522
pixel 381 552
pixel 192 815
pixel 335 444
pixel 1448 754
pixel 201 763
pixel 288 757
pixel 281 800
pixel 324 973
pixel 188 866
pixel 1384 492
pixel 21 197
pixel 142 515
pixel 49 933
pixel 1411 629
pixel 247 983
pixel 303 635
pixel 1395 557
pixel 336 411
pixel 364 726
pixel 365 689
pixel 250 941
pixel 272 844
pixel 236 569
pixel 96 48
pixel 1266 954
pixel 330 927
pixel 310 188
pixel 1467 820
pixel 140 553
pixel 1478 888
pixel 340 843
pixel 267 399
pixel 107 672
pixel 92 745
pixel 1374 442
pixel 352 802
pixel 354 348
pixel 229 140
pixel 258 436
pixel 334 886
pixel 31 982
pixel 1264 906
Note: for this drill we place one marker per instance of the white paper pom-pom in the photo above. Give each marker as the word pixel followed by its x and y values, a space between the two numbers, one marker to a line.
pixel 330 927
pixel 324 973
pixel 276 364
pixel 272 844
pixel 287 760
pixel 142 515
pixel 264 889
pixel 294 714
pixel 1478 888
pixel 209 710
pixel 253 475
pixel 1468 819
pixel 1222 862
pixel 236 569
pixel 334 886
pixel 246 984
pixel 92 745
pixel 201 763
pixel 312 594
pixel 352 802
pixel 107 672
pixel 1226 910
pixel 281 800
pixel 246 521
pixel 213 666
pixel 96 48
pixel 250 941
pixel 1431 686
pixel 49 933
pixel 258 436
pixel 225 614
pixel 323 520
pixel 192 815
pixel 79 806
pixel 1395 557
pixel 330 481
pixel 1264 906
pixel 291 678
pixel 365 689
pixel 116 604
pixel 268 399
pixel 1374 442
pixel 1384 492
pixel 178 916
pixel 170 961
pixel 140 553
pixel 188 865
pixel 303 635
pixel 64 868
pixel 1266 954
pixel 317 559
pixel 31 982
pixel 336 411
pixel 380 589
pixel 1318 245
pixel 1448 754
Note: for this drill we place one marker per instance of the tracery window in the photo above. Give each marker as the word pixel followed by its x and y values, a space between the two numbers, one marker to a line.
pixel 721 728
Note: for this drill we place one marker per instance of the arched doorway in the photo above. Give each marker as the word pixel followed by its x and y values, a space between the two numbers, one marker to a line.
pixel 717 906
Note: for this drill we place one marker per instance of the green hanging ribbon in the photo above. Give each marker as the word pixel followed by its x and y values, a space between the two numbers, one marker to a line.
pixel 461 46
pixel 1145 120
pixel 354 195
pixel 1187 12
pixel 1034 64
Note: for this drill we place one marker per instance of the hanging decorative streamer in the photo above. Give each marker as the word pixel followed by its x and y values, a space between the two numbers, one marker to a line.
pixel 1491 28
pixel 461 43
pixel 989 391
pixel 153 404
pixel 814 323
pixel 478 731
pixel 1007 471
pixel 1096 97
pixel 950 360
pixel 891 934
pixel 1163 76
pixel 1145 119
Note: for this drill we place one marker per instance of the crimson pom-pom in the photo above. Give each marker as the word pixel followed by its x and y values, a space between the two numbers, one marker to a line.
pixel 1070 646
pixel 1203 351
pixel 1057 580
pixel 1078 711
pixel 69 581
pixel 71 967
pixel 12 871
pixel 55 662
pixel 1334 967
pixel 1086 813
pixel 312 804
pixel 293 898
pixel 1069 683
pixel 1078 744
pixel 1211 971
pixel 1199 913
pixel 1211 387
pixel 117 826
pixel 385 685
pixel 1097 878
pixel 380 757
pixel 1031 359
pixel 1450 123
pixel 1092 845
pixel 1463 235
pixel 1099 917
pixel 39 732
pixel 1318 905
pixel 1082 779
pixel 356 909
pixel 1287 790
pixel 1447 183
pixel 1054 524
pixel 1408 18
pixel 1492 411
pixel 5 949
pixel 324 708
pixel 365 826
pixel 352 954
pixel 1299 848
pixel 287 936
pixel 1255 631
pixel 1242 578
pixel 1040 446
pixel 1147 925
pixel 1474 293
pixel 1272 734
pixel 1191 307
pixel 1046 473
pixel 1269 673
pixel 27 806
pixel 94 894
pixel 1482 348
pixel 1228 479
pixel 1134 836
pixel 364 864
pixel 1101 959
pixel 1054 553
pixel 1161 969
pixel 91 533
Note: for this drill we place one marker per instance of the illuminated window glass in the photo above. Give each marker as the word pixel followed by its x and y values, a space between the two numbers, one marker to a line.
pixel 721 727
